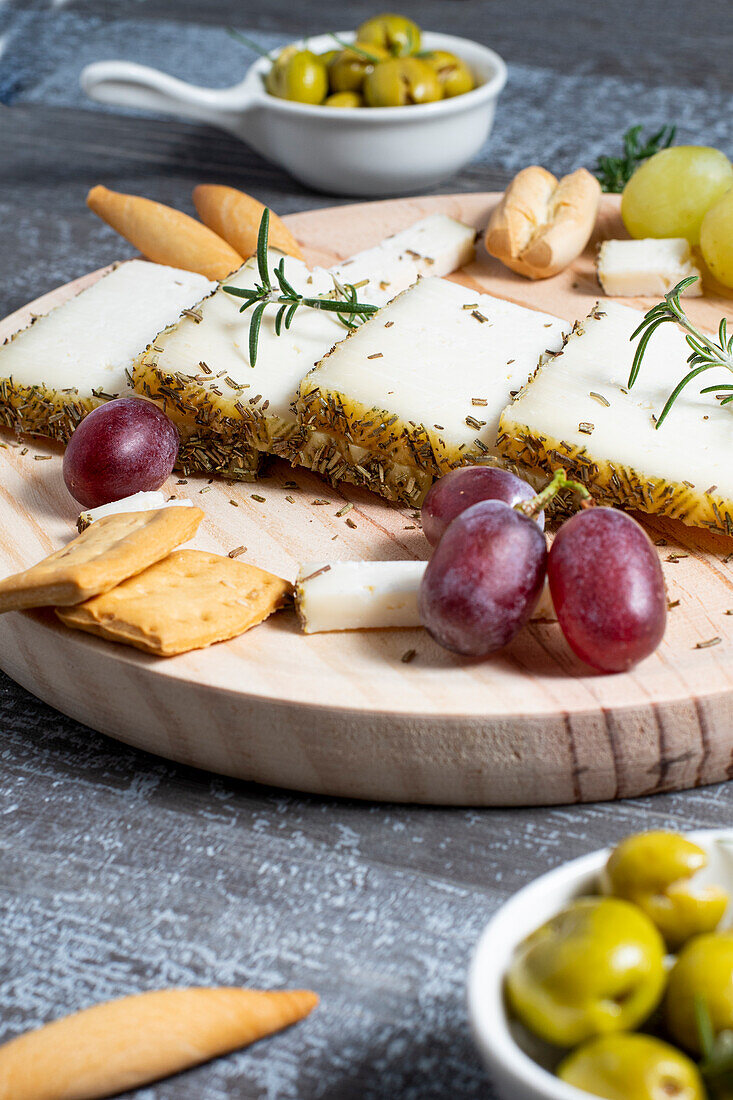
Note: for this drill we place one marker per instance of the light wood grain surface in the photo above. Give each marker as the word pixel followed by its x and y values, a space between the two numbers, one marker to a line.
pixel 341 713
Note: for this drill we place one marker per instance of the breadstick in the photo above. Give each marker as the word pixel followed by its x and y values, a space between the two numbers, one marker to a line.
pixel 124 1044
pixel 164 235
pixel 542 225
pixel 235 216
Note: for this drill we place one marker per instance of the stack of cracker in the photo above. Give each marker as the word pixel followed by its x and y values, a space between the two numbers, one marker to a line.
pixel 123 579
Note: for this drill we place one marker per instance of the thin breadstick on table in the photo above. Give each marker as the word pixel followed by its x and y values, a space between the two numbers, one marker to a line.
pixel 165 235
pixel 124 1044
pixel 235 216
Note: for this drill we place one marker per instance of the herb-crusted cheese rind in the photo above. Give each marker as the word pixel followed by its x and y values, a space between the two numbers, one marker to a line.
pixel 577 413
pixel 418 389
pixel 199 369
pixel 81 353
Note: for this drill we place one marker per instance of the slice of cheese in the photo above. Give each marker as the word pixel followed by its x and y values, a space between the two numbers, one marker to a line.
pixel 578 413
pixel 81 353
pixel 646 268
pixel 358 595
pixel 230 417
pixel 436 245
pixel 368 595
pixel 199 369
pixel 138 502
pixel 418 389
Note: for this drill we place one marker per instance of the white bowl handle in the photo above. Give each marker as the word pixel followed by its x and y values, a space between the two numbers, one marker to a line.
pixel 127 84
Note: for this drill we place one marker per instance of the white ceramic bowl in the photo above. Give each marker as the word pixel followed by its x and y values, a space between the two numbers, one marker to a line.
pixel 517 1074
pixel 367 151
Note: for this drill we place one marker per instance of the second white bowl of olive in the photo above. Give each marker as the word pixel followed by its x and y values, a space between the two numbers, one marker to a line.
pixel 522 1065
pixel 357 151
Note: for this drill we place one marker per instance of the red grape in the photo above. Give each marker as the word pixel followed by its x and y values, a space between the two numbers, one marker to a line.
pixel 125 446
pixel 608 589
pixel 459 489
pixel 484 579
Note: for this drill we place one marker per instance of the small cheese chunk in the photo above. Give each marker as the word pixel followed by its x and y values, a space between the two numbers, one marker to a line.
pixel 368 595
pixel 578 407
pixel 81 353
pixel 418 389
pixel 138 502
pixel 436 245
pixel 646 268
pixel 358 595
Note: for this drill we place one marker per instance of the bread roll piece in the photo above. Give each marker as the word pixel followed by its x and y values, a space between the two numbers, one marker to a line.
pixel 542 225
pixel 164 235
pixel 236 217
pixel 124 1044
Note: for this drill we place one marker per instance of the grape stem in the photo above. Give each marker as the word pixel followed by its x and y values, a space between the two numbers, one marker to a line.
pixel 557 484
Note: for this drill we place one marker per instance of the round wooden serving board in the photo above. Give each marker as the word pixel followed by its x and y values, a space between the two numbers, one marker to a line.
pixel 343 714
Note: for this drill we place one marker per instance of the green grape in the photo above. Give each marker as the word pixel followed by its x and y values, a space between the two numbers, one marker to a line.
pixel 669 194
pixel 716 239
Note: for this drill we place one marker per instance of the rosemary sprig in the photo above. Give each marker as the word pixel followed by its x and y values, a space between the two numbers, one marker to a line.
pixel 716 1065
pixel 250 43
pixel 613 173
pixel 706 353
pixel 344 302
pixel 356 48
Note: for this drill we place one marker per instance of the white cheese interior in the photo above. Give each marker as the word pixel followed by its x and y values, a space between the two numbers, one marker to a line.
pixel 367 595
pixel 221 340
pixel 646 267
pixel 358 595
pixel 89 342
pixel 138 502
pixel 429 355
pixel 436 245
pixel 695 442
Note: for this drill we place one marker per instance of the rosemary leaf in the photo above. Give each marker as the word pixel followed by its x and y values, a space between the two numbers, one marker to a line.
pixel 254 331
pixel 613 173
pixel 706 354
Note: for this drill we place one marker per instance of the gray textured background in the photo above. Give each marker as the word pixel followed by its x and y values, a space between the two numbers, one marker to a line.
pixel 119 872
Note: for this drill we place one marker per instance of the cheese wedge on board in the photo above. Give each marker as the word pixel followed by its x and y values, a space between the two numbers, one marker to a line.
pixel 368 595
pixel 418 389
pixel 138 502
pixel 199 369
pixel 436 245
pixel 358 595
pixel 577 413
pixel 72 359
pixel 646 268
pixel 228 432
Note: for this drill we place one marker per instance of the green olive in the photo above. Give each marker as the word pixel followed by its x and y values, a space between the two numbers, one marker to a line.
pixel 454 74
pixel 298 75
pixel 348 70
pixel 395 33
pixel 654 870
pixel 596 967
pixel 400 81
pixel 632 1067
pixel 344 99
pixel 329 57
pixel 704 971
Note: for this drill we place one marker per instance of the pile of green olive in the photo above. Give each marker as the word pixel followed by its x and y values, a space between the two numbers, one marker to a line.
pixel 384 67
pixel 603 968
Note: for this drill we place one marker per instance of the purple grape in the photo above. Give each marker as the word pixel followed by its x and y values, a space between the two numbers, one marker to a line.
pixel 608 589
pixel 125 446
pixel 484 579
pixel 459 489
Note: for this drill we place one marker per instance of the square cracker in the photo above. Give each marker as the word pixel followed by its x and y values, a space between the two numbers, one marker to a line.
pixel 111 550
pixel 188 601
